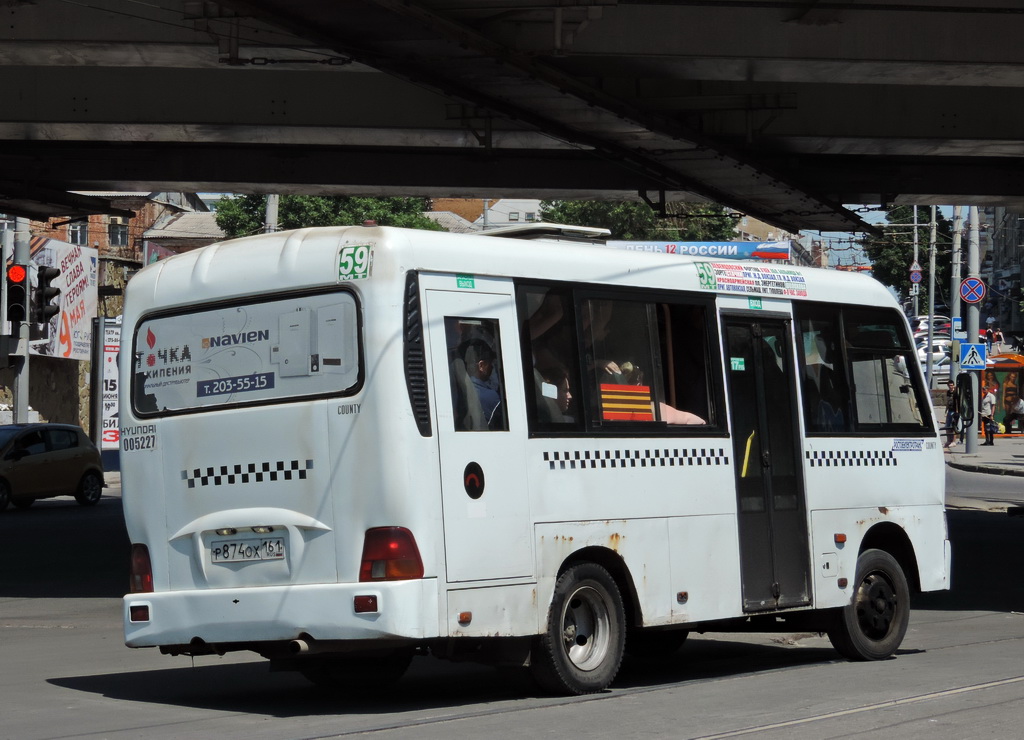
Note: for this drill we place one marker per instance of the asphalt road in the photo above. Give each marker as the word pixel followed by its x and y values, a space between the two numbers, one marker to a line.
pixel 67 674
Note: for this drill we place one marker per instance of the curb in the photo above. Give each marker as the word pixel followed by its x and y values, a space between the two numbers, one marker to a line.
pixel 989 469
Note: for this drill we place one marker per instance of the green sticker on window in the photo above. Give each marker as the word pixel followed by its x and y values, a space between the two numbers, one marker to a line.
pixel 465 281
pixel 738 364
pixel 754 304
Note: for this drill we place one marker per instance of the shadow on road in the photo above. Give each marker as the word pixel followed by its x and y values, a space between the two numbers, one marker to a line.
pixel 988 564
pixel 429 683
pixel 58 548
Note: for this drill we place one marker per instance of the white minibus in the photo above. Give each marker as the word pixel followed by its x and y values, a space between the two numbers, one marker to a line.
pixel 342 447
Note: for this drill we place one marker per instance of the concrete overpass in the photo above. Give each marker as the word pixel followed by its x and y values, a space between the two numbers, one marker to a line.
pixel 781 109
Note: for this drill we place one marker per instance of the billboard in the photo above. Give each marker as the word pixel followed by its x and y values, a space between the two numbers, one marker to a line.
pixel 110 439
pixel 70 330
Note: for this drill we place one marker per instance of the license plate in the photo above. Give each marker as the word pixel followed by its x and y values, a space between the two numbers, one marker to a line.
pixel 243 551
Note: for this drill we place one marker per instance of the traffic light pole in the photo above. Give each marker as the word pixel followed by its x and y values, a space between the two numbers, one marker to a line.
pixel 19 330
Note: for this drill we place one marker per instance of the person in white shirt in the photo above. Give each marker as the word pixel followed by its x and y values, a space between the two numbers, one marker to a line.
pixel 988 409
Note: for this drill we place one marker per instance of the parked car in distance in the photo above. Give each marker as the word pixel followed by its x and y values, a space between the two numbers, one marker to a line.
pixel 939 347
pixel 940 371
pixel 46 460
pixel 920 323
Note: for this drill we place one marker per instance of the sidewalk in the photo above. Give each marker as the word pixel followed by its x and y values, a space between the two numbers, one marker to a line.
pixel 1006 457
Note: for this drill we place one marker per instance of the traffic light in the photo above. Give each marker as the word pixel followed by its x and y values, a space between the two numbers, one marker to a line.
pixel 42 309
pixel 17 293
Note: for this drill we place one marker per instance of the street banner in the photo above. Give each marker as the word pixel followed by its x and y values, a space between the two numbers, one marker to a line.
pixel 727 250
pixel 111 439
pixel 70 330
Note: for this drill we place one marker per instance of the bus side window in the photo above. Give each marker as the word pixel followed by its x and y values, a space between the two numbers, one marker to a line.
pixel 826 390
pixel 475 372
pixel 624 356
pixel 550 358
pixel 683 332
pixel 889 390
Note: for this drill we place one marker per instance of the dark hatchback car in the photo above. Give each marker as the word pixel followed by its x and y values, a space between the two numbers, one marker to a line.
pixel 44 460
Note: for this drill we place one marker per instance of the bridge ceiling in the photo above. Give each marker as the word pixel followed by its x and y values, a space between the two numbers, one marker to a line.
pixel 783 110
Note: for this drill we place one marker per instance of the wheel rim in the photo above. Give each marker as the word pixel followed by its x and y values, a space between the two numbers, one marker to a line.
pixel 586 631
pixel 876 606
pixel 91 488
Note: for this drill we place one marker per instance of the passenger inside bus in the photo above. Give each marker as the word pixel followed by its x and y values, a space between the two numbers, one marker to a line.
pixel 475 374
pixel 621 329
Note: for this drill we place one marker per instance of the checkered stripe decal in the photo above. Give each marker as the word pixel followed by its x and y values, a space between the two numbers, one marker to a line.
pixel 659 458
pixel 845 458
pixel 229 475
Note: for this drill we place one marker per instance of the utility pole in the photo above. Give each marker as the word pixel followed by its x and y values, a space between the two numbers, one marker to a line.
pixel 954 287
pixel 917 306
pixel 19 329
pixel 270 219
pixel 931 296
pixel 973 265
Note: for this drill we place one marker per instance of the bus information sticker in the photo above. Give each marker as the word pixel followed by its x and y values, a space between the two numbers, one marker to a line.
pixel 769 280
pixel 354 262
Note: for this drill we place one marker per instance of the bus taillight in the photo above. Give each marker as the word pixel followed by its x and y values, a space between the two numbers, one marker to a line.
pixel 390 554
pixel 142 570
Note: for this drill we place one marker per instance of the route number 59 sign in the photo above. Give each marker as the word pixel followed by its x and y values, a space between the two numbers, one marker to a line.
pixel 354 262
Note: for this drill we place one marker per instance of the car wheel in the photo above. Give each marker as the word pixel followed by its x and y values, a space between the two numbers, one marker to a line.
pixel 90 488
pixel 5 494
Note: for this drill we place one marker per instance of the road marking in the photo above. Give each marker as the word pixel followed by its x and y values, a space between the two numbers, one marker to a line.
pixel 868 708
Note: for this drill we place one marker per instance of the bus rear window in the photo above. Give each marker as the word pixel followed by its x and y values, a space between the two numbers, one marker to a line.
pixel 247 354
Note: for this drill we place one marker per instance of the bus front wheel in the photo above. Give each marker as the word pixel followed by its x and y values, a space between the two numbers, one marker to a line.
pixel 873 624
pixel 581 650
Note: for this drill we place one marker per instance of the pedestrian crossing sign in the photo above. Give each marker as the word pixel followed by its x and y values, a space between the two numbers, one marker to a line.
pixel 972 356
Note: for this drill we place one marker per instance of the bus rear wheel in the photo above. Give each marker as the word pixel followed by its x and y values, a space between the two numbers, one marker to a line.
pixel 873 624
pixel 581 650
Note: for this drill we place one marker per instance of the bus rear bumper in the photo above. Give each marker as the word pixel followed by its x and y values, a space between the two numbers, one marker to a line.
pixel 281 613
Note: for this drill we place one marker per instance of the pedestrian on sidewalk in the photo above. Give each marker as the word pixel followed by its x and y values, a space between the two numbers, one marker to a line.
pixel 988 410
pixel 952 414
pixel 1015 413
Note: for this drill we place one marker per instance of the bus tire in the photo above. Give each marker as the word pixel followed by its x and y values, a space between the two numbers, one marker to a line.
pixel 357 674
pixel 582 648
pixel 873 624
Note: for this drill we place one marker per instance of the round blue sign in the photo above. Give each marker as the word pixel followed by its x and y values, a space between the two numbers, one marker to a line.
pixel 972 290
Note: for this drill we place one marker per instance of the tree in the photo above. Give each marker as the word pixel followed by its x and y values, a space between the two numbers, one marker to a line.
pixel 243 215
pixel 892 254
pixel 638 221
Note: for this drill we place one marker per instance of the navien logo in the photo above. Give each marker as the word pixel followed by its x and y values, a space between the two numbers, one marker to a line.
pixel 242 337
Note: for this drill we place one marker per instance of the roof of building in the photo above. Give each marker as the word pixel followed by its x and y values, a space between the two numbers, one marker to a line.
pixel 452 222
pixel 187 225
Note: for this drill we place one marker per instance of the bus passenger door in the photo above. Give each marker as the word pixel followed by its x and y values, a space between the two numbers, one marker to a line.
pixel 481 431
pixel 771 507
